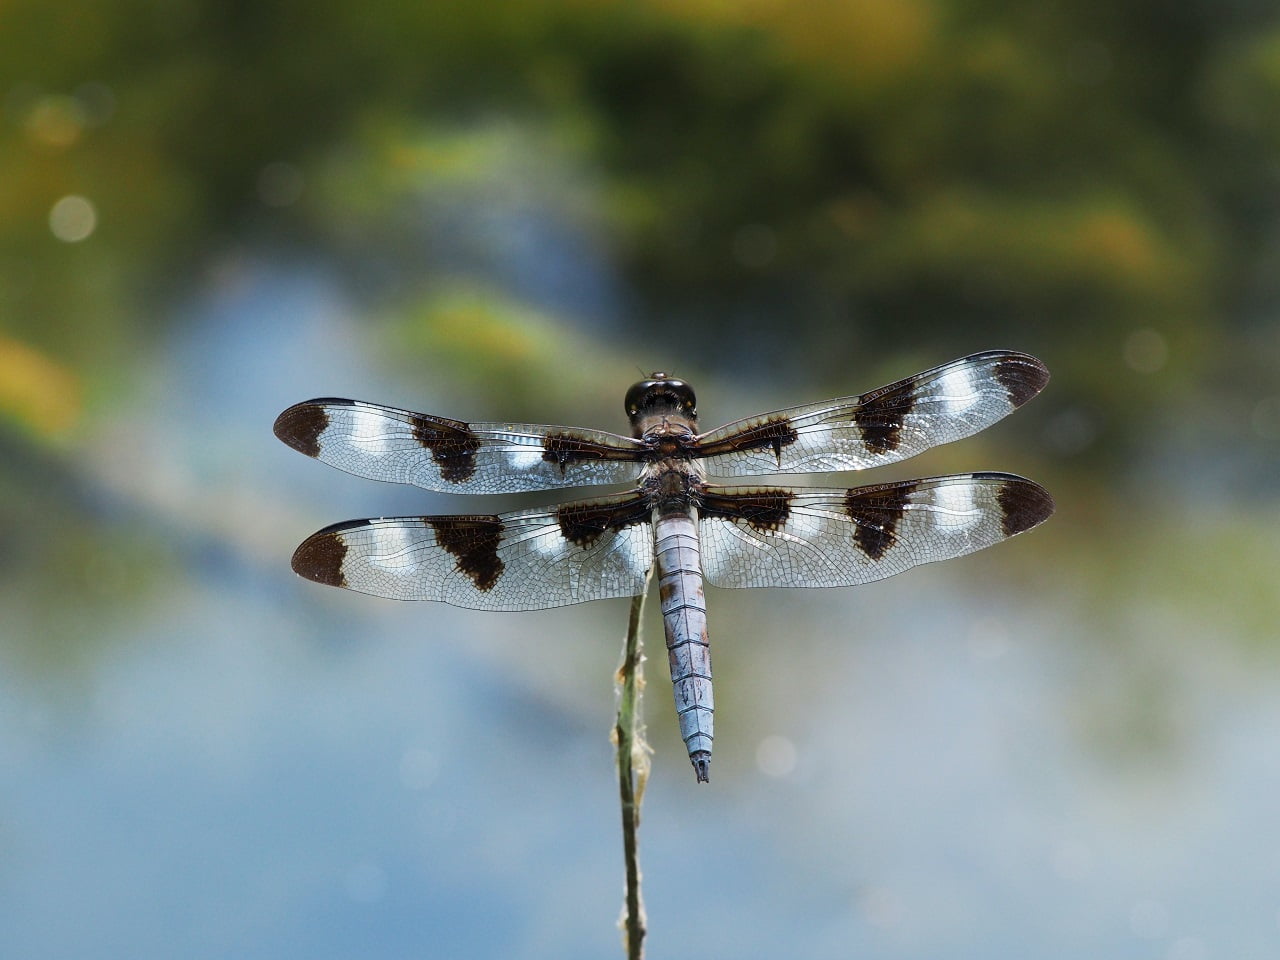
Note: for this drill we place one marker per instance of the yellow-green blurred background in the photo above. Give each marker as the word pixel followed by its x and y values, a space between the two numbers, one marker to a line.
pixel 1066 747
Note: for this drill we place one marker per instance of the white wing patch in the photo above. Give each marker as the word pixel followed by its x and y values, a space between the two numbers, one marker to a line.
pixel 957 391
pixel 896 422
pixel 955 506
pixel 528 560
pixel 782 537
pixel 435 453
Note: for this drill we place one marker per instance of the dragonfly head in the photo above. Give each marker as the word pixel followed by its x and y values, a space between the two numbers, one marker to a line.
pixel 661 394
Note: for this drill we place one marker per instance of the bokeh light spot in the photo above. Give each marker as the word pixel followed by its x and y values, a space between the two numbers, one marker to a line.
pixel 73 219
pixel 776 756
pixel 1145 351
pixel 55 121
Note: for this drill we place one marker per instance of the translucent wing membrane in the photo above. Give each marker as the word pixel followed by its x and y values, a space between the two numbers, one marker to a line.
pixel 384 443
pixel 782 537
pixel 527 560
pixel 893 423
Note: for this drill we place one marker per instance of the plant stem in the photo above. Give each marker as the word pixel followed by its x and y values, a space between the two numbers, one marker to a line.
pixel 633 773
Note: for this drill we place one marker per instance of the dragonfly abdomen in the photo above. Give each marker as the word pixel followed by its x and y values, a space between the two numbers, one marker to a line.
pixel 684 614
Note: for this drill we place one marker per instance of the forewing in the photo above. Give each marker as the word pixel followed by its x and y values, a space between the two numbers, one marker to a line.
pixel 528 560
pixel 781 537
pixel 893 423
pixel 383 443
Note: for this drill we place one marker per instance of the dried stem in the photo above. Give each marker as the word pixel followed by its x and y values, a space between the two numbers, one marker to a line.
pixel 633 773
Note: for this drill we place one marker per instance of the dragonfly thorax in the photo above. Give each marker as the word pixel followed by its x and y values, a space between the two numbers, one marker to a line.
pixel 671 486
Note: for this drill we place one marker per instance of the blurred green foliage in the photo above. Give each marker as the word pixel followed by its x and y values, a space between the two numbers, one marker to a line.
pixel 542 199
pixel 799 187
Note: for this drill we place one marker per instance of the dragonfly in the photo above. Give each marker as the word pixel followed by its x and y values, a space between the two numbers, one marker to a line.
pixel 672 515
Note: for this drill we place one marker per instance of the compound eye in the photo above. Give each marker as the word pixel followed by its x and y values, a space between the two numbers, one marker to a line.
pixel 683 394
pixel 636 394
pixel 660 392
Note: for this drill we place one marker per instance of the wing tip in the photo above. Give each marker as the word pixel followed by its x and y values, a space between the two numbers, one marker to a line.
pixel 1025 504
pixel 320 557
pixel 1021 375
pixel 300 426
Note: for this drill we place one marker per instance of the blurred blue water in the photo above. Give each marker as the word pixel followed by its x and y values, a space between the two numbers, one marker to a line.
pixel 256 766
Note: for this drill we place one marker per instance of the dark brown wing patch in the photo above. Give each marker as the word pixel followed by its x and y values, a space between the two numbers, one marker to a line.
pixel 1024 505
pixel 320 556
pixel 876 513
pixel 774 433
pixel 452 444
pixel 1022 376
pixel 584 523
pixel 762 509
pixel 565 448
pixel 880 416
pixel 474 541
pixel 301 425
